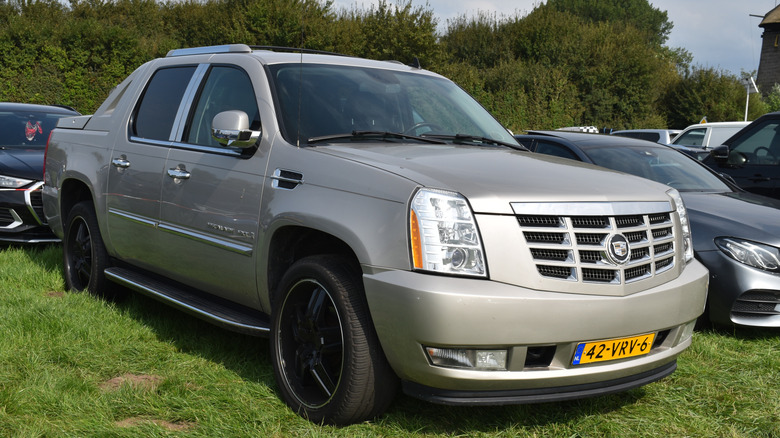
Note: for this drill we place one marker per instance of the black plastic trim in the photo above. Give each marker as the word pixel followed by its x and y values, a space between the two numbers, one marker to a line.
pixel 216 310
pixel 536 395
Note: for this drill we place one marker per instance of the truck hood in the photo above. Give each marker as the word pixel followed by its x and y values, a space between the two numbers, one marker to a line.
pixel 491 178
pixel 22 163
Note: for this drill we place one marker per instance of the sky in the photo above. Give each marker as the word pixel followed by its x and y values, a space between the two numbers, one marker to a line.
pixel 720 34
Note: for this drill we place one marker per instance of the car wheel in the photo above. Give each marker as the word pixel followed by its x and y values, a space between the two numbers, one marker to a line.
pixel 84 255
pixel 328 363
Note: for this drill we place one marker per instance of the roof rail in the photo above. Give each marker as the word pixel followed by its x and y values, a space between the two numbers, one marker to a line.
pixel 296 50
pixel 226 48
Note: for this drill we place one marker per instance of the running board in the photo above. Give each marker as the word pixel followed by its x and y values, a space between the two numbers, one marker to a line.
pixel 213 309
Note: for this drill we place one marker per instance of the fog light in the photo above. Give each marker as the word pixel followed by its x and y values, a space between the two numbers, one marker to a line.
pixel 687 331
pixel 463 358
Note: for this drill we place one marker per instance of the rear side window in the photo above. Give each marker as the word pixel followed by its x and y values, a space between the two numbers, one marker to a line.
pixel 159 104
pixel 694 137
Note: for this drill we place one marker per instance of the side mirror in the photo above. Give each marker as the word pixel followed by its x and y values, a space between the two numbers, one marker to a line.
pixel 720 153
pixel 231 128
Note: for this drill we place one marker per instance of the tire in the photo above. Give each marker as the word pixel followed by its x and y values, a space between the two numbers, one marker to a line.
pixel 84 255
pixel 328 363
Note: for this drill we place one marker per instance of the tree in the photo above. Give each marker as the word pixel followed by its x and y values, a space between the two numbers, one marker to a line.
pixel 652 22
pixel 398 32
pixel 707 92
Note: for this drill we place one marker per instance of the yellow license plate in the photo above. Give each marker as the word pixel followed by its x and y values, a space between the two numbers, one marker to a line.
pixel 612 349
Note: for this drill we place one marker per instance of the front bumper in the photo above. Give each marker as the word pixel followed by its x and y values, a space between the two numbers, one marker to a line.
pixel 741 294
pixel 21 216
pixel 412 310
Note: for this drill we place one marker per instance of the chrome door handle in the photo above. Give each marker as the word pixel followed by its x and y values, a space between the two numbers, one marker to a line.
pixel 120 163
pixel 178 173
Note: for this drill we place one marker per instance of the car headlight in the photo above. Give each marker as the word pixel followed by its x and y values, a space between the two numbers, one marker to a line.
pixel 444 236
pixel 750 253
pixel 9 182
pixel 684 224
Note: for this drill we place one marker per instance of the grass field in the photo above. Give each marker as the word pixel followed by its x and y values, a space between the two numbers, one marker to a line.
pixel 73 365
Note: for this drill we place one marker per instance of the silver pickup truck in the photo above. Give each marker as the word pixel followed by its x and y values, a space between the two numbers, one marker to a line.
pixel 378 226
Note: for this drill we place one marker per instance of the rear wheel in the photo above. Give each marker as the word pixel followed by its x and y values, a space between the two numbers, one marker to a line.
pixel 84 255
pixel 327 359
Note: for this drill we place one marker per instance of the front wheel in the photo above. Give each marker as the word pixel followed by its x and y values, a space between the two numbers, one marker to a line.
pixel 84 255
pixel 328 363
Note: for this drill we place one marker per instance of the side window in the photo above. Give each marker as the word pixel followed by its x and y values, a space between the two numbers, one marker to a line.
pixel 157 110
pixel 556 150
pixel 694 137
pixel 226 88
pixel 760 145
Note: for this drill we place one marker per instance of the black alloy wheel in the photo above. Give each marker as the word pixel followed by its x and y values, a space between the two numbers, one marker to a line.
pixel 327 359
pixel 84 254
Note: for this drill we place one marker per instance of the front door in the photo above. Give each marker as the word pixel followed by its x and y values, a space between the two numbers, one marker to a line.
pixel 209 214
pixel 754 159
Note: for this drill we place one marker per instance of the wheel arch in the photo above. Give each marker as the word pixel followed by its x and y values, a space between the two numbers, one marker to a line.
pixel 292 243
pixel 72 192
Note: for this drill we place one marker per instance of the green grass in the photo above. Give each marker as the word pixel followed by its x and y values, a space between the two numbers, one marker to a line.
pixel 74 365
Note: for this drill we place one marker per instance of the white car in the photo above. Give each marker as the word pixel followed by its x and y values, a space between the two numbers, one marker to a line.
pixel 708 135
pixel 663 136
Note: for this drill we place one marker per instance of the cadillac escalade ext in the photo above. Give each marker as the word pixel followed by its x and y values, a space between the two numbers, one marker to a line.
pixel 378 226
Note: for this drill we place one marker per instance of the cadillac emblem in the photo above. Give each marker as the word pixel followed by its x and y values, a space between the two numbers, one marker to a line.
pixel 618 251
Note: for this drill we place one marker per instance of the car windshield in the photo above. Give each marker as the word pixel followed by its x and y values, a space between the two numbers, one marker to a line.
pixel 332 102
pixel 22 129
pixel 660 164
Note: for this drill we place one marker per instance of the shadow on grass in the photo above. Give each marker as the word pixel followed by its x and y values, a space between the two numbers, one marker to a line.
pixel 249 358
pixel 418 416
pixel 46 255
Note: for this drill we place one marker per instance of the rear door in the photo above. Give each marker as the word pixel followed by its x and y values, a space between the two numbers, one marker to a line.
pixel 137 163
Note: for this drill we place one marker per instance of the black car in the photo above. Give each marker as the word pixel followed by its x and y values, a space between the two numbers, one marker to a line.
pixel 752 156
pixel 736 234
pixel 24 130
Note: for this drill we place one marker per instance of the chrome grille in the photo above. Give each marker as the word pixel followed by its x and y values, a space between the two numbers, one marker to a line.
pixel 574 248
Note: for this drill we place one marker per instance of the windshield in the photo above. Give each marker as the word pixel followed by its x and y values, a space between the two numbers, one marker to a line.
pixel 25 129
pixel 325 100
pixel 660 164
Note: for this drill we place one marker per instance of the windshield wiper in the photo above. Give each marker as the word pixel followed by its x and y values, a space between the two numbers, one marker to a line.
pixel 475 139
pixel 378 135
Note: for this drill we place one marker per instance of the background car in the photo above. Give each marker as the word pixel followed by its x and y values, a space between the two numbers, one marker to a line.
pixel 707 135
pixel 736 234
pixel 752 156
pixel 24 130
pixel 663 136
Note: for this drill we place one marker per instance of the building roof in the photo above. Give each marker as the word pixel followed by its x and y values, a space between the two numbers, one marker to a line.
pixel 771 18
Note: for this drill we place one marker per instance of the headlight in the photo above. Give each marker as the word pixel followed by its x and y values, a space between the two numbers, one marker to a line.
pixel 9 182
pixel 684 224
pixel 444 236
pixel 752 254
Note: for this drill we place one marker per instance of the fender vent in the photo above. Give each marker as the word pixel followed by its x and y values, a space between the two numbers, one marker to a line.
pixel 286 179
